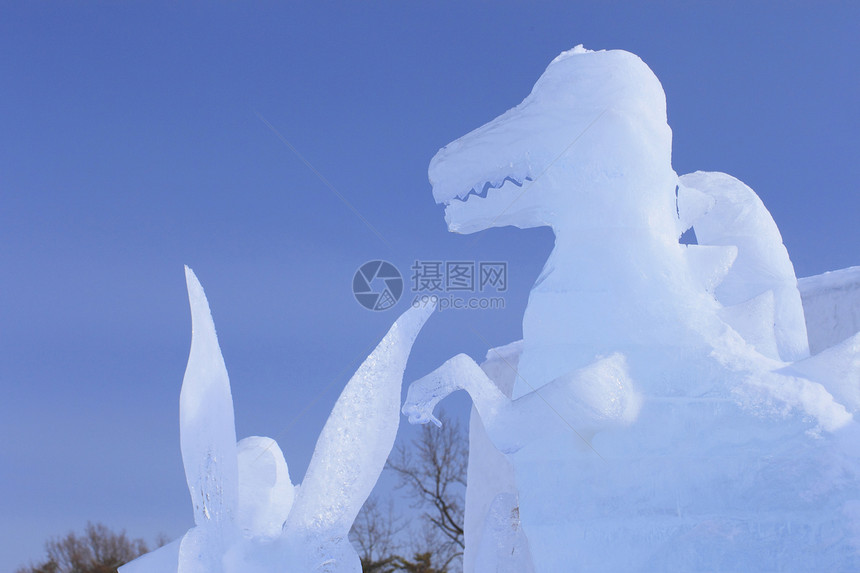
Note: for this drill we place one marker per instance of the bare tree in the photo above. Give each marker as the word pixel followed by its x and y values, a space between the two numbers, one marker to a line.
pixel 99 550
pixel 433 471
pixel 420 563
pixel 374 533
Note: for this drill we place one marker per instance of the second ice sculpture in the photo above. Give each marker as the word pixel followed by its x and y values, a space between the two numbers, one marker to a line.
pixel 660 413
pixel 249 517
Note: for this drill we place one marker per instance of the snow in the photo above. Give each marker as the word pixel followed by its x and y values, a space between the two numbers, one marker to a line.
pixel 249 517
pixel 831 302
pixel 662 411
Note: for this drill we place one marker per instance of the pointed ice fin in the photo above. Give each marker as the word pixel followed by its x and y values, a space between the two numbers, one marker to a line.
pixel 206 426
pixel 738 217
pixel 358 435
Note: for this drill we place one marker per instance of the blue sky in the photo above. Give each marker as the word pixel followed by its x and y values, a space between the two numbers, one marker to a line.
pixel 131 143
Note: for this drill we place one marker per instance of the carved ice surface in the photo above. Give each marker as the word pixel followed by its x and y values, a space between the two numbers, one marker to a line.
pixel 831 302
pixel 500 551
pixel 661 412
pixel 266 493
pixel 206 429
pixel 738 218
pixel 249 517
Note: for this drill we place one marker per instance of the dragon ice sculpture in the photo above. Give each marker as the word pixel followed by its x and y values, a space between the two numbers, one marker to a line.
pixel 249 517
pixel 660 413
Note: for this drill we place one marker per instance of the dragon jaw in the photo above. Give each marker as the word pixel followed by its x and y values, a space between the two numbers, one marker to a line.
pixel 554 159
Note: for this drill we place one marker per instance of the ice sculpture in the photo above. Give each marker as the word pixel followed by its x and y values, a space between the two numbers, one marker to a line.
pixel 650 419
pixel 762 273
pixel 831 304
pixel 249 517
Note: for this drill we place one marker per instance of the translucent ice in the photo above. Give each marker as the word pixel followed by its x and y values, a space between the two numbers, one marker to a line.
pixel 208 439
pixel 207 431
pixel 647 421
pixel 504 548
pixel 266 493
pixel 249 517
pixel 357 438
pixel 492 469
pixel 737 218
pixel 831 303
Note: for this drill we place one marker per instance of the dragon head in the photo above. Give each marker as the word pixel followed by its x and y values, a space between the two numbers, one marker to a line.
pixel 585 140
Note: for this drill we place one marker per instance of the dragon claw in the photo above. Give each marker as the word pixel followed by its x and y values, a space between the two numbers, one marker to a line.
pixel 418 414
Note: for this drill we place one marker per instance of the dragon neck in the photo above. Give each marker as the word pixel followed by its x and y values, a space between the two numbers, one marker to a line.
pixel 603 291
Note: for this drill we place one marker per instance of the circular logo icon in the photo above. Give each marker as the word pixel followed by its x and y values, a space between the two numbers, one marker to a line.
pixel 377 285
